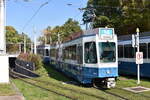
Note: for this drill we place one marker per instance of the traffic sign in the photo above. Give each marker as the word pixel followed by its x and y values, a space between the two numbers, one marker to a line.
pixel 139 57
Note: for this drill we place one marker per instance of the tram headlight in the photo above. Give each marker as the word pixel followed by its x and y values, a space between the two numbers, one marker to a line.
pixel 111 79
pixel 108 72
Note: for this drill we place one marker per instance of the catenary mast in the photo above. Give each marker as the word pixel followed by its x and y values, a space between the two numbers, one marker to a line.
pixel 2 27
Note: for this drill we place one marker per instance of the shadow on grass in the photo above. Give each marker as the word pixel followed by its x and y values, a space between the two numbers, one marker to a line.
pixel 58 75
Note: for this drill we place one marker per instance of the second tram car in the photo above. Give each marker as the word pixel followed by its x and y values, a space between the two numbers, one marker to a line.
pixel 127 65
pixel 89 57
pixel 43 51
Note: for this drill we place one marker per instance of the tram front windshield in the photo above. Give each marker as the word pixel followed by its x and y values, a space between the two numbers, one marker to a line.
pixel 107 51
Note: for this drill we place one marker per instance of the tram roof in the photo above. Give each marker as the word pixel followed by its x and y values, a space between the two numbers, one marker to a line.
pixel 43 45
pixel 129 37
pixel 79 34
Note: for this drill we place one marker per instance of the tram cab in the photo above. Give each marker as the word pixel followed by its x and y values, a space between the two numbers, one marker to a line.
pixel 100 56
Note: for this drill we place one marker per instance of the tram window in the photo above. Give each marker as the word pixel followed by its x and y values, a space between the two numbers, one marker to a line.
pixel 143 48
pixel 128 51
pixel 79 54
pixel 131 51
pixel 53 53
pixel 69 52
pixel 90 55
pixel 73 52
pixel 57 53
pixel 135 50
pixel 107 51
pixel 148 50
pixel 41 52
pixel 63 54
pixel 47 52
pixel 120 51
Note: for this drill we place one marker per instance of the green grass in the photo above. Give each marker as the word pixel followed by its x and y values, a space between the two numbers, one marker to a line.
pixel 124 82
pixel 34 93
pixel 50 75
pixel 6 90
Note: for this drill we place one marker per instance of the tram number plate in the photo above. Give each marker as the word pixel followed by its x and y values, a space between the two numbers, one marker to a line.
pixel 139 57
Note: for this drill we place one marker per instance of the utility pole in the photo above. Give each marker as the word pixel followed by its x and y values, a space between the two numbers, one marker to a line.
pixel 24 43
pixel 35 51
pixel 45 42
pixel 2 27
pixel 58 35
pixel 50 40
pixel 19 47
pixel 31 48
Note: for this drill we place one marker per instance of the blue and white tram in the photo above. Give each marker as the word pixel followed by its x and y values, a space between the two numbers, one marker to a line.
pixel 126 53
pixel 90 57
pixel 44 51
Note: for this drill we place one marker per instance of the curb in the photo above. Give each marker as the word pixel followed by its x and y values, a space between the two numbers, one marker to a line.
pixel 18 93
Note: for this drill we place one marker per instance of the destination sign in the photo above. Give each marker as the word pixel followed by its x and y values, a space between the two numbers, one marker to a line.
pixel 106 33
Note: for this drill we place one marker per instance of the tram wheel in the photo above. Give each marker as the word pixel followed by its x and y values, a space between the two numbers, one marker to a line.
pixel 98 83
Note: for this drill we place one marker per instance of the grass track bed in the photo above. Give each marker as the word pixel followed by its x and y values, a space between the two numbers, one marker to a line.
pixel 51 79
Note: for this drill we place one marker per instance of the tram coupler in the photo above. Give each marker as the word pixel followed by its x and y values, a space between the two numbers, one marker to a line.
pixel 110 82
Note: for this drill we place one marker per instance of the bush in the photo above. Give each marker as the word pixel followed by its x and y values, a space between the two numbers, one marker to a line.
pixel 36 59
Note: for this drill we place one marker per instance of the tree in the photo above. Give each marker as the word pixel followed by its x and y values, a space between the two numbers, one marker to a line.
pixel 69 27
pixel 13 39
pixel 123 15
pixel 11 35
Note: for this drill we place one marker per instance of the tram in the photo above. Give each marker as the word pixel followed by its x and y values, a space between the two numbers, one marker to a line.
pixel 90 57
pixel 126 53
pixel 44 51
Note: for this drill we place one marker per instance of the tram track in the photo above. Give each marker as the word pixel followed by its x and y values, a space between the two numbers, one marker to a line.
pixel 122 97
pixel 19 76
pixel 116 95
pixel 113 94
pixel 75 91
pixel 143 95
pixel 72 90
pixel 34 82
pixel 49 90
pixel 64 88
pixel 80 92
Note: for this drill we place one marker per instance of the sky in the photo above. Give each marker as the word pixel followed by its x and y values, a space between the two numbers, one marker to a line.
pixel 56 12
